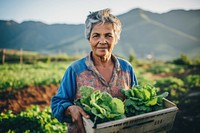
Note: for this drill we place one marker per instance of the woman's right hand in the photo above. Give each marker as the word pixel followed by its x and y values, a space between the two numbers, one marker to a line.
pixel 76 113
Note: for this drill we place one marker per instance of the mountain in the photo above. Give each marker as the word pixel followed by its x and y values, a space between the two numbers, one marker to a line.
pixel 165 35
pixel 37 36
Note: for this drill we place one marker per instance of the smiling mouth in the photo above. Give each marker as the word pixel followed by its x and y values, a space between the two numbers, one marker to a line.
pixel 102 48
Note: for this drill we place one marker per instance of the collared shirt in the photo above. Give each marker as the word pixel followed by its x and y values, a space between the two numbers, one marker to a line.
pixel 83 72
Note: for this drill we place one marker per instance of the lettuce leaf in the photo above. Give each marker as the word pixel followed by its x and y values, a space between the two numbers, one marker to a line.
pixel 101 106
pixel 143 99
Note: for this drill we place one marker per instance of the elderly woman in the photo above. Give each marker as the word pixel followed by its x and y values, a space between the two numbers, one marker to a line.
pixel 100 70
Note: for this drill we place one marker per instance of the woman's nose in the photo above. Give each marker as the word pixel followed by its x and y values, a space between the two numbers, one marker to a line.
pixel 102 40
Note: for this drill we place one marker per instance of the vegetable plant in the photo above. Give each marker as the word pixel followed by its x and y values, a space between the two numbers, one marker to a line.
pixel 174 86
pixel 33 120
pixel 192 81
pixel 101 106
pixel 142 99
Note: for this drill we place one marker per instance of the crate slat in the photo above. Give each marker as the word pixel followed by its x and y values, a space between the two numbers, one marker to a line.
pixel 161 120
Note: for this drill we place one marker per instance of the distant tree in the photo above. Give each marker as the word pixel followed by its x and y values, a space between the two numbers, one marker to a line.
pixel 183 60
pixel 132 56
pixel 197 62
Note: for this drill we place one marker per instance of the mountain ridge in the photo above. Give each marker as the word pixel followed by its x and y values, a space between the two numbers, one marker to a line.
pixel 165 35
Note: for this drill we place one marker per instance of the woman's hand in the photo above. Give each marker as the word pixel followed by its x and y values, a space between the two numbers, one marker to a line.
pixel 76 113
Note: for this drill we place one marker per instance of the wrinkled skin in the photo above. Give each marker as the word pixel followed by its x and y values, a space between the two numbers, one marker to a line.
pixel 102 41
pixel 76 113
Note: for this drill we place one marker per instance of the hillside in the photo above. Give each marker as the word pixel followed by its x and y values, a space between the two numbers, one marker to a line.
pixel 165 35
pixel 161 34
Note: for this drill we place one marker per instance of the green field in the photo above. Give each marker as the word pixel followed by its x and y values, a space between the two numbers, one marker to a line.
pixel 182 81
pixel 20 75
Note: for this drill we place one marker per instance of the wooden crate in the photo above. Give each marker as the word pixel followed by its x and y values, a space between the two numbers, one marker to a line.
pixel 157 121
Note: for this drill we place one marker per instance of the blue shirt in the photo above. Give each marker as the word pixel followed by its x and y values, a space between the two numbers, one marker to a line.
pixel 83 72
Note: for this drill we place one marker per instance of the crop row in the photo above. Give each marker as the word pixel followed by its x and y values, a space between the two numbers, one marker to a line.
pixel 30 121
pixel 21 75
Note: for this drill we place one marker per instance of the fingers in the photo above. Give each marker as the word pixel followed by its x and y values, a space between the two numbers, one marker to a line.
pixel 76 113
pixel 84 114
pixel 80 126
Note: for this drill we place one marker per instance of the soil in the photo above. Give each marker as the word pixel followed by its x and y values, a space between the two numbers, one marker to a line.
pixel 19 100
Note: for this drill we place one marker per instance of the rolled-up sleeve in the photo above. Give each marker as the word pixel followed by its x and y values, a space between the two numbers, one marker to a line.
pixel 65 96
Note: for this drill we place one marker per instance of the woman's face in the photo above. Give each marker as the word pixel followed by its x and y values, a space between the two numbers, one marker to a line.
pixel 102 39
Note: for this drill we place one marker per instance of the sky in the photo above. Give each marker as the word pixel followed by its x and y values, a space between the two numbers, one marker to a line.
pixel 76 11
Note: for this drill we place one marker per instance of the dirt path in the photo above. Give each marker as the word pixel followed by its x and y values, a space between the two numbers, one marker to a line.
pixel 20 99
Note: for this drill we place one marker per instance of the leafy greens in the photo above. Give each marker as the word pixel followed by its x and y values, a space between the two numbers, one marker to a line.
pixel 142 99
pixel 101 106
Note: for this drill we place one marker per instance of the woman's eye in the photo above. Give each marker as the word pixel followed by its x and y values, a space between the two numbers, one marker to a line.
pixel 95 36
pixel 108 35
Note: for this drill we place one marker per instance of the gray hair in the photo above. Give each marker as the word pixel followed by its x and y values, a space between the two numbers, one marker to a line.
pixel 102 16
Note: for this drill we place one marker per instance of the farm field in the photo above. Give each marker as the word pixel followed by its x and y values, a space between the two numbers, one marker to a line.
pixel 26 90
